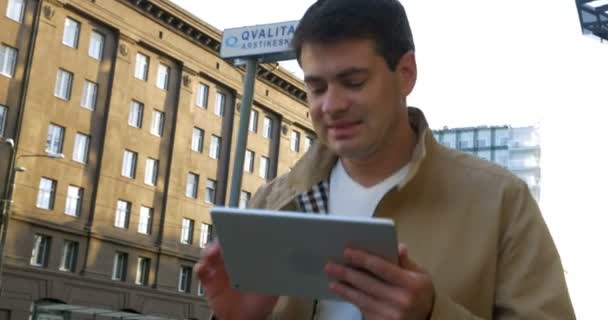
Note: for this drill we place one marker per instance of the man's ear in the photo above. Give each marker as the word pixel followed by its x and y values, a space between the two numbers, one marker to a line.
pixel 407 72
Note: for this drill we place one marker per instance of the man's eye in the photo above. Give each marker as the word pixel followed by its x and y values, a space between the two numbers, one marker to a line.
pixel 355 84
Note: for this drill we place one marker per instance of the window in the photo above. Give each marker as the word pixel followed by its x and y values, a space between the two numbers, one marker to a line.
pixel 63 85
pixel 15 9
pixel 123 212
pixel 449 139
pixel 81 148
pixel 205 234
pixel 253 121
pixel 484 138
pixel 73 201
pixel 119 272
pixel 158 123
pixel 249 159
pixel 485 154
pixel 187 231
pixel 89 95
pixel 145 220
pixel 162 76
pixel 295 141
pixel 501 137
pixel 69 257
pixel 3 116
pixel 210 191
pixel 501 157
pixel 214 150
pixel 264 167
pixel 197 139
pixel 151 175
pixel 267 127
pixel 46 194
pixel 307 143
pixel 192 185
pixel 244 199
pixel 202 95
pixel 141 66
pixel 136 114
pixel 129 164
pixel 71 30
pixel 143 271
pixel 40 250
pixel 185 278
pixel 54 139
pixel 201 289
pixel 96 45
pixel 8 60
pixel 220 102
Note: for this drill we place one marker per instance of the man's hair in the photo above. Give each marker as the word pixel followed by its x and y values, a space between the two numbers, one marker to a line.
pixel 382 21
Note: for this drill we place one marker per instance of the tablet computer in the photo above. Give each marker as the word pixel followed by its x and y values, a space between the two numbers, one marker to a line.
pixel 284 253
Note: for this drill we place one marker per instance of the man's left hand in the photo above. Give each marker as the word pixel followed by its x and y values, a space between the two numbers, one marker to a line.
pixel 381 289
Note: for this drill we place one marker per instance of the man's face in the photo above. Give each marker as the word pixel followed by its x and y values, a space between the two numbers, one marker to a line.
pixel 356 101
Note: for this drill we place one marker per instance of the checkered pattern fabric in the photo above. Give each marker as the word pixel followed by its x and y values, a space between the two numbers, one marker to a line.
pixel 315 200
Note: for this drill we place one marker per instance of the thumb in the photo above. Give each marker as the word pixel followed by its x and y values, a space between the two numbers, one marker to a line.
pixel 405 261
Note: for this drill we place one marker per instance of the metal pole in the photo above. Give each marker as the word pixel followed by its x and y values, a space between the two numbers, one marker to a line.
pixel 241 142
pixel 6 209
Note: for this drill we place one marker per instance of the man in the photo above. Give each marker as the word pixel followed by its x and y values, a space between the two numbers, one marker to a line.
pixel 477 246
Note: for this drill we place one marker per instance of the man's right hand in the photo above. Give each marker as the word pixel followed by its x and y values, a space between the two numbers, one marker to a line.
pixel 226 302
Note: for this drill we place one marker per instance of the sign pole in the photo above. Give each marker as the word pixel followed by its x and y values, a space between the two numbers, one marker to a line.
pixel 241 142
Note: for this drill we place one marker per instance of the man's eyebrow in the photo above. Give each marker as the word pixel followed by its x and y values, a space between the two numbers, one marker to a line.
pixel 354 71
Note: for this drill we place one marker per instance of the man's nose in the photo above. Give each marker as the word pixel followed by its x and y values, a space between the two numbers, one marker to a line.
pixel 336 100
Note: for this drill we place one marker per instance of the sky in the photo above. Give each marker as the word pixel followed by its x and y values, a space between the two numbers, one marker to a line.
pixel 518 63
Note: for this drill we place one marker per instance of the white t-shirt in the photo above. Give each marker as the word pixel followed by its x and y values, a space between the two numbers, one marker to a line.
pixel 349 198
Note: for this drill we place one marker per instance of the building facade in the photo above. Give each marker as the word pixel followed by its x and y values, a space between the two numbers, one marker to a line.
pixel 517 149
pixel 134 96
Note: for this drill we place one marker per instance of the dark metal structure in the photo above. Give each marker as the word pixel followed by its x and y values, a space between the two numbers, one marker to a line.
pixel 593 16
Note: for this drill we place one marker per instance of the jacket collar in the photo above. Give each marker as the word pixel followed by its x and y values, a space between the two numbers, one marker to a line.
pixel 316 165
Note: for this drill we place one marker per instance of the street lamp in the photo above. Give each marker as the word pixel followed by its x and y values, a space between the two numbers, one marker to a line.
pixel 9 188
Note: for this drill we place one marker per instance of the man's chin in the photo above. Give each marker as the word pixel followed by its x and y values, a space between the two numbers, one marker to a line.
pixel 348 150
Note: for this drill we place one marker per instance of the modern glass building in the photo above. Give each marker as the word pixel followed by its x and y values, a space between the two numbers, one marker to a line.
pixel 593 15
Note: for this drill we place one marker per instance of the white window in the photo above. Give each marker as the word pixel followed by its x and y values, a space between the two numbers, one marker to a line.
pixel 249 159
pixel 501 137
pixel 143 271
pixel 307 143
pixel 185 278
pixel 136 114
pixel 244 199
pixel 202 95
pixel 3 116
pixel 198 135
pixel 46 194
pixel 220 102
pixel 89 95
pixel 119 272
pixel 210 191
pixel 81 148
pixel 63 85
pixel 214 149
pixel 158 123
pixel 187 231
pixel 192 185
pixel 73 201
pixel 205 234
pixel 267 127
pixel 71 31
pixel 123 213
pixel 54 139
pixel 253 121
pixel 295 141
pixel 141 66
pixel 96 45
pixel 8 60
pixel 129 164
pixel 151 175
pixel 264 167
pixel 69 257
pixel 15 9
pixel 40 250
pixel 145 220
pixel 484 138
pixel 201 289
pixel 162 76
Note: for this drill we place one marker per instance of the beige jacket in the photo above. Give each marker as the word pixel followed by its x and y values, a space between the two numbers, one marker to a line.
pixel 473 225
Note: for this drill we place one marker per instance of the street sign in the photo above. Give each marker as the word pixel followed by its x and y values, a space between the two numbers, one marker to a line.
pixel 266 42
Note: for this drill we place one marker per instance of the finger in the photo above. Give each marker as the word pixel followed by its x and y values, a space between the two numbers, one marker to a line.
pixel 405 261
pixel 380 268
pixel 369 306
pixel 366 283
